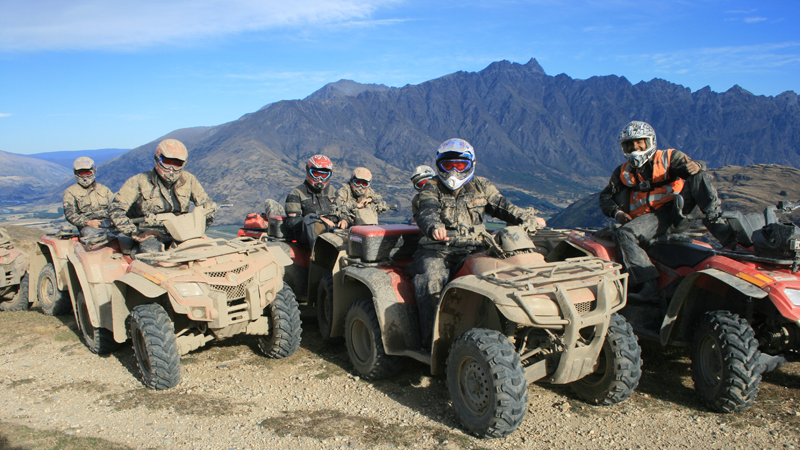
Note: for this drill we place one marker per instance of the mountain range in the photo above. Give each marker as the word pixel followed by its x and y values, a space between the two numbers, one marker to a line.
pixel 544 140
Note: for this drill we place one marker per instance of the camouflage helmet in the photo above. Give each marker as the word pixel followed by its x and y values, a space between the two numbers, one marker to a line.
pixel 634 131
pixel 319 169
pixel 360 180
pixel 84 170
pixel 455 163
pixel 421 176
pixel 170 156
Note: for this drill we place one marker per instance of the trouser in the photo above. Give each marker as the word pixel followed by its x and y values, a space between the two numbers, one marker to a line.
pixel 308 229
pixel 434 269
pixel 697 191
pixel 105 226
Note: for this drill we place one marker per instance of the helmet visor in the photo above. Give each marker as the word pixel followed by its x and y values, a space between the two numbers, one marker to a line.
pixel 319 174
pixel 170 163
pixel 84 172
pixel 459 165
pixel 358 182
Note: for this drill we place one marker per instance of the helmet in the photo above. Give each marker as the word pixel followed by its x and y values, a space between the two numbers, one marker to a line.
pixel 455 163
pixel 318 171
pixel 170 156
pixel 421 176
pixel 638 130
pixel 360 180
pixel 84 170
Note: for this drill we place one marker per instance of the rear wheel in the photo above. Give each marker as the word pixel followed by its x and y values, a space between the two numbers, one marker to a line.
pixel 619 367
pixel 362 335
pixel 99 340
pixel 155 346
pixel 285 326
pixel 325 307
pixel 725 366
pixel 487 383
pixel 52 301
pixel 19 299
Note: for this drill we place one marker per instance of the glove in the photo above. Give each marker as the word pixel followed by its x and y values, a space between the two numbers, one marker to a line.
pixel 622 217
pixel 530 224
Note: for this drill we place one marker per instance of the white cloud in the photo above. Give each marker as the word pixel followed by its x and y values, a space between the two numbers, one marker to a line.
pixel 5 115
pixel 754 19
pixel 27 25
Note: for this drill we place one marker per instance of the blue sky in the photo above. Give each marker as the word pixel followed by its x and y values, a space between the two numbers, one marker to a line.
pixel 89 74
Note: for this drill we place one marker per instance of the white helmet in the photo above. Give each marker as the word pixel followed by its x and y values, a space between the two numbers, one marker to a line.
pixel 421 176
pixel 455 163
pixel 638 130
pixel 84 170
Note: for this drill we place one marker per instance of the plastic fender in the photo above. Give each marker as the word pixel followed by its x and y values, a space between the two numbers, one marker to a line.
pixel 592 245
pixel 279 255
pixel 96 296
pixel 122 296
pixel 329 248
pixel 393 297
pixel 51 254
pixel 681 296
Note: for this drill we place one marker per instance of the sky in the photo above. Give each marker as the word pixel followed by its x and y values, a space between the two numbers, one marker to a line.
pixel 93 74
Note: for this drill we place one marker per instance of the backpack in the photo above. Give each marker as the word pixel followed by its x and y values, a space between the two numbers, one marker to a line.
pixel 777 239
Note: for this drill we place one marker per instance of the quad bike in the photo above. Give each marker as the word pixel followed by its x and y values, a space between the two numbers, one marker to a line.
pixel 738 308
pixel 175 301
pixel 49 270
pixel 311 272
pixel 14 281
pixel 506 319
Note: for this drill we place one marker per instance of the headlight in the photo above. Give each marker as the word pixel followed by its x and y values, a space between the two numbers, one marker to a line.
pixel 268 273
pixel 188 289
pixel 794 296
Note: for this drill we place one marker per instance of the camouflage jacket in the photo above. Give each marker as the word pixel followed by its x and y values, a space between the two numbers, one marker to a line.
pixel 84 204
pixel 616 196
pixel 145 194
pixel 463 209
pixel 303 201
pixel 346 201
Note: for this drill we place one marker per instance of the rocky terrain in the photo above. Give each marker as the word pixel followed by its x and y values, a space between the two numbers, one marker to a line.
pixel 54 393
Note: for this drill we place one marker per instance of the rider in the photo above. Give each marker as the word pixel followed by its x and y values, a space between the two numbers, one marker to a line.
pixel 422 175
pixel 650 195
pixel 166 188
pixel 86 203
pixel 454 205
pixel 311 207
pixel 358 203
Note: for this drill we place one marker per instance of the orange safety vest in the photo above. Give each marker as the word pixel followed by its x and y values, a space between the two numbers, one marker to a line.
pixel 643 202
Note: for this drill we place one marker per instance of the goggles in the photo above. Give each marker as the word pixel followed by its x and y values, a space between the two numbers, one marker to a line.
pixel 459 165
pixel 84 172
pixel 319 174
pixel 421 183
pixel 170 163
pixel 360 183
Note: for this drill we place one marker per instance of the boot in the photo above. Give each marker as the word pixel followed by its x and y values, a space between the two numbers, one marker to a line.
pixel 647 293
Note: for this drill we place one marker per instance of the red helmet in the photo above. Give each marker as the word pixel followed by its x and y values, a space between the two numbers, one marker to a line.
pixel 170 156
pixel 319 169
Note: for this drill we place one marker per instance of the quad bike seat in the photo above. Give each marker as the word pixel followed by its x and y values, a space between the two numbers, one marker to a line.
pixel 372 243
pixel 744 225
pixel 677 250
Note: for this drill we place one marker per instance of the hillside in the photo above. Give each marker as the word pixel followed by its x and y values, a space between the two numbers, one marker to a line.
pixel 23 178
pixel 549 138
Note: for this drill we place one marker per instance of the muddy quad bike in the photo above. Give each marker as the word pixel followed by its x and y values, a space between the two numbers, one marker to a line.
pixel 49 271
pixel 172 302
pixel 14 281
pixel 311 272
pixel 738 309
pixel 506 319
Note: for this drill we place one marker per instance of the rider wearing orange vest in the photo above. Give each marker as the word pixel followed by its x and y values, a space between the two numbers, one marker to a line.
pixel 641 196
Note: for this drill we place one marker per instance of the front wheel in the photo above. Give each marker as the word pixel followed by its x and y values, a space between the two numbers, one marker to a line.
pixel 285 326
pixel 19 301
pixel 362 335
pixel 487 383
pixel 619 367
pixel 52 301
pixel 99 340
pixel 725 366
pixel 155 346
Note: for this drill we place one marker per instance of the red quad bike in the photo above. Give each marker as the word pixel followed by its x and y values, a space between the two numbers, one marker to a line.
pixel 311 274
pixel 738 308
pixel 49 270
pixel 507 318
pixel 14 276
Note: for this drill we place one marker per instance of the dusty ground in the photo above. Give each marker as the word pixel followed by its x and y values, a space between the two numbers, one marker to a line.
pixel 55 394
